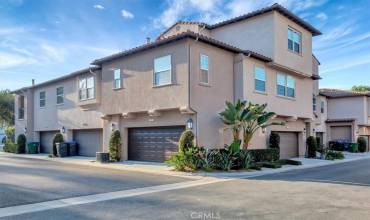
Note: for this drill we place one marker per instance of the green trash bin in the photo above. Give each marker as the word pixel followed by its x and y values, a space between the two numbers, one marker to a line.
pixel 33 147
pixel 353 147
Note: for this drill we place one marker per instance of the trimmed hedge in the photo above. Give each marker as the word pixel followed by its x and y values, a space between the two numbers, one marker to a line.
pixel 186 140
pixel 274 140
pixel 361 141
pixel 311 147
pixel 21 144
pixel 265 155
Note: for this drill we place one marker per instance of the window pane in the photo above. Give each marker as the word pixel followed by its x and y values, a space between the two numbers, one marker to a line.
pixel 290 34
pixel 260 74
pixel 42 95
pixel 204 62
pixel 162 64
pixel 290 44
pixel 297 37
pixel 117 83
pixel 90 93
pixel 291 92
pixel 281 90
pixel 281 80
pixel 60 91
pixel 42 102
pixel 162 78
pixel 60 99
pixel 297 48
pixel 204 76
pixel 83 94
pixel 90 82
pixel 82 83
pixel 322 107
pixel 259 85
pixel 117 74
pixel 290 82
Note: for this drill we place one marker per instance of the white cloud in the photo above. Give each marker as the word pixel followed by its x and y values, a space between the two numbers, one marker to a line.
pixel 100 7
pixel 11 30
pixel 126 14
pixel 53 53
pixel 322 16
pixel 8 60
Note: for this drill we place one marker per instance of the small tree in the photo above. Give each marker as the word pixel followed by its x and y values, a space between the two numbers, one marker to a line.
pixel 186 140
pixel 21 144
pixel 311 147
pixel 115 146
pixel 274 140
pixel 361 141
pixel 10 134
pixel 232 117
pixel 58 138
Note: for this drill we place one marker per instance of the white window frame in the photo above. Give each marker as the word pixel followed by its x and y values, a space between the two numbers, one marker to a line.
pixel 314 103
pixel 286 86
pixel 21 107
pixel 155 73
pixel 44 99
pixel 60 95
pixel 294 41
pixel 203 68
pixel 119 79
pixel 86 88
pixel 255 78
pixel 322 107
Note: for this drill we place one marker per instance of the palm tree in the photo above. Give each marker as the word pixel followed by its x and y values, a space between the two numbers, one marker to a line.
pixel 254 117
pixel 232 117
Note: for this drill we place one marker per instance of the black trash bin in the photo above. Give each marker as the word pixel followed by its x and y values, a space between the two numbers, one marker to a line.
pixel 72 148
pixel 62 149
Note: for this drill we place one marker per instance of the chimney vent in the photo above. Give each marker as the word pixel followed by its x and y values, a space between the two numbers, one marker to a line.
pixel 33 82
pixel 148 40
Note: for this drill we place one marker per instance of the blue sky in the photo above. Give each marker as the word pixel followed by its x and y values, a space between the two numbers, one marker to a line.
pixel 44 39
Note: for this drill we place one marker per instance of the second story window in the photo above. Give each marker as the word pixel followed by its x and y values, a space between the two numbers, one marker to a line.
pixel 314 103
pixel 42 99
pixel 86 88
pixel 21 107
pixel 259 79
pixel 285 85
pixel 204 69
pixel 162 71
pixel 117 80
pixel 294 40
pixel 322 107
pixel 60 95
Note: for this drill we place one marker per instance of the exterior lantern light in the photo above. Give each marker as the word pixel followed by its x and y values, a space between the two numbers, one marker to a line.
pixel 25 130
pixel 189 124
pixel 63 130
pixel 112 126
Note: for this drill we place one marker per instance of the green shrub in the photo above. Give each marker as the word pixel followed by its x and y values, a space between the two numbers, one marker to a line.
pixel 186 140
pixel 353 147
pixel 188 160
pixel 58 138
pixel 361 141
pixel 311 147
pixel 10 134
pixel 265 155
pixel 115 143
pixel 334 155
pixel 21 144
pixel 274 140
pixel 209 160
pixel 10 147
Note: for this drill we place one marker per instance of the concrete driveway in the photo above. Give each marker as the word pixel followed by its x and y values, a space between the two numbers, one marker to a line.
pixel 339 191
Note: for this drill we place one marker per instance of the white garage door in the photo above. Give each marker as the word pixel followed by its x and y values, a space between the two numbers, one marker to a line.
pixel 89 141
pixel 288 144
pixel 340 133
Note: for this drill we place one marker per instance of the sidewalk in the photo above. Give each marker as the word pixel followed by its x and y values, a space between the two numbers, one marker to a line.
pixel 163 169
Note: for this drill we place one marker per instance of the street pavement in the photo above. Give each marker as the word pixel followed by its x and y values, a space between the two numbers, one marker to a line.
pixel 339 191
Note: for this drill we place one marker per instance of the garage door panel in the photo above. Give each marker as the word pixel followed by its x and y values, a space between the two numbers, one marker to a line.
pixel 153 143
pixel 89 141
pixel 46 141
pixel 288 145
pixel 340 133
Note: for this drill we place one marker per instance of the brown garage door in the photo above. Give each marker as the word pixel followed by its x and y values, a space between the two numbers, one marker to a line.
pixel 153 143
pixel 340 133
pixel 288 144
pixel 89 141
pixel 46 141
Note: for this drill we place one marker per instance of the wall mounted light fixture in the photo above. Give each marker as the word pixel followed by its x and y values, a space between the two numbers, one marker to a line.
pixel 189 124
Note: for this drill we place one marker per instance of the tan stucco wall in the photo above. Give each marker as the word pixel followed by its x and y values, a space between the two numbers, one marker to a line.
pixel 138 93
pixel 209 100
pixel 298 107
pixel 256 34
pixel 28 121
pixel 321 117
pixel 350 107
pixel 301 62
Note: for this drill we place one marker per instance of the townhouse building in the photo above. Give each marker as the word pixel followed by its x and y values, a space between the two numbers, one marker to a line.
pixel 153 92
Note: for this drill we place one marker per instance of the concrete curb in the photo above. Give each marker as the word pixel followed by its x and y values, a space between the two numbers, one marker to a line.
pixel 163 170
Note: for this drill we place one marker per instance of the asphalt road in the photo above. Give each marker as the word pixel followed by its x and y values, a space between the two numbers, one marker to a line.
pixel 333 192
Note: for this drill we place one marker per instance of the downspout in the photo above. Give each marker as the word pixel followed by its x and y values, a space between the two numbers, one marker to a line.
pixel 189 93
